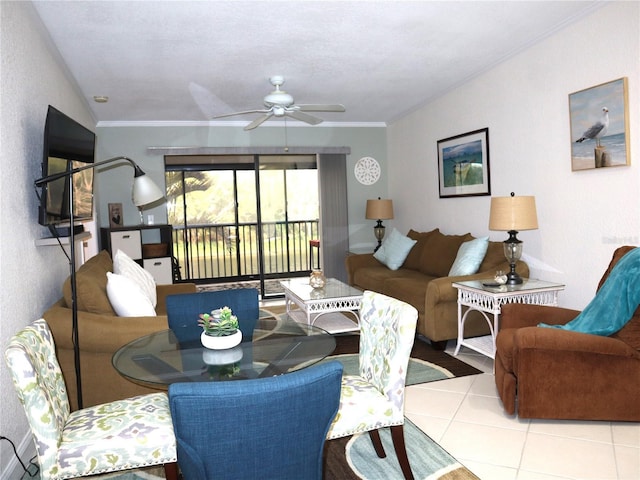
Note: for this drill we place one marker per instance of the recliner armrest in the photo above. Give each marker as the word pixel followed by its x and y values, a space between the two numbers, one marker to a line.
pixel 519 315
pixel 567 343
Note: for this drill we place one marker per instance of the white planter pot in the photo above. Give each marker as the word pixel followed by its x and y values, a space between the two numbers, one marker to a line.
pixel 221 343
pixel 222 357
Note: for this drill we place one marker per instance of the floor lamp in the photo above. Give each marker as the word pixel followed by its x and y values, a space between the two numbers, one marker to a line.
pixel 144 192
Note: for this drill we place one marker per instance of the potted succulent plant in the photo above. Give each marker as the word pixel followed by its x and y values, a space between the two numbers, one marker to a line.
pixel 220 329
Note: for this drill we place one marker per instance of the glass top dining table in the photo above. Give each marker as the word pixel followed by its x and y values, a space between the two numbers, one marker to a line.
pixel 274 347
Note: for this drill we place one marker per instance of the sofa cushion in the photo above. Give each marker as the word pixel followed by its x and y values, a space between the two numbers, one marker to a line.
pixel 439 252
pixel 394 250
pixel 493 258
pixel 413 259
pixel 410 287
pixel 373 278
pixel 91 285
pixel 469 257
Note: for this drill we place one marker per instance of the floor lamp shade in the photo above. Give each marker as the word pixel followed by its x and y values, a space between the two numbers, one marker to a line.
pixel 512 214
pixel 144 190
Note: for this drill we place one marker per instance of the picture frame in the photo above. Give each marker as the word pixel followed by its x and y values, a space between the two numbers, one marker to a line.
pixel 463 165
pixel 115 215
pixel 600 138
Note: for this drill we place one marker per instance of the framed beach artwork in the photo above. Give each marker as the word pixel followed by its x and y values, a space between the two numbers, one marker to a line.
pixel 463 165
pixel 600 126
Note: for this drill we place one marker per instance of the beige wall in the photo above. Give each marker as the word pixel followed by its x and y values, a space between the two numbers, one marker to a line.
pixel 30 277
pixel 583 215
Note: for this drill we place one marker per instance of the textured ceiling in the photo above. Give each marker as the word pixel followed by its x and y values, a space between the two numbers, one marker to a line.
pixel 189 61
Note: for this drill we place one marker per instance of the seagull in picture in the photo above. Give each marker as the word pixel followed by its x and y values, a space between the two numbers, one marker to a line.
pixel 598 129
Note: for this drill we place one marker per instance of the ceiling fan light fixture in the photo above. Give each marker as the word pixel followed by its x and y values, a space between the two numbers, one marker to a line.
pixel 278 97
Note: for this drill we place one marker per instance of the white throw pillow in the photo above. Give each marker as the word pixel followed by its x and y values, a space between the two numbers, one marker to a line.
pixel 469 257
pixel 394 250
pixel 124 265
pixel 127 299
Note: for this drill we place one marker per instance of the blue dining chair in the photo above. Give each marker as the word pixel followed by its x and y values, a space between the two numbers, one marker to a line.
pixel 183 310
pixel 269 428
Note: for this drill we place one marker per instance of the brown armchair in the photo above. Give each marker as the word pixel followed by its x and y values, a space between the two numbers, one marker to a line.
pixel 559 374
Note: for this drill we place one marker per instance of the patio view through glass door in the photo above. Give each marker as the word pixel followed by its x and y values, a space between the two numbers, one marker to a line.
pixel 225 232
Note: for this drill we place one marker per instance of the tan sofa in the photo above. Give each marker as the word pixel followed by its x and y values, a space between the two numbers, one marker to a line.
pixel 423 282
pixel 101 333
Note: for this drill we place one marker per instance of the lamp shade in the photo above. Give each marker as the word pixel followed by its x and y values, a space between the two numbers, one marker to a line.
pixel 144 190
pixel 513 213
pixel 379 209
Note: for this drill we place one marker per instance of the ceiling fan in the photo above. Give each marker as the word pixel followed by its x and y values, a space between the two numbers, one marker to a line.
pixel 279 103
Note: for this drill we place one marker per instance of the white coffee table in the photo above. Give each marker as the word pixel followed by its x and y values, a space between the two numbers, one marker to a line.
pixel 332 308
pixel 489 300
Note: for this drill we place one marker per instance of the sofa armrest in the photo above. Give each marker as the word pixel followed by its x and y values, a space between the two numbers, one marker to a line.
pixel 520 315
pixel 357 261
pixel 100 333
pixel 163 291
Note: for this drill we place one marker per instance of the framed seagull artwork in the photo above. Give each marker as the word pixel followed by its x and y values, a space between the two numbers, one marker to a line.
pixel 600 126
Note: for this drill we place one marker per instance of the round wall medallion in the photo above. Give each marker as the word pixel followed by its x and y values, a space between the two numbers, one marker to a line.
pixel 367 170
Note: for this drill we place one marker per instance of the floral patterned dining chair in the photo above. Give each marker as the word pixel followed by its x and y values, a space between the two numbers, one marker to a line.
pixel 119 435
pixel 375 398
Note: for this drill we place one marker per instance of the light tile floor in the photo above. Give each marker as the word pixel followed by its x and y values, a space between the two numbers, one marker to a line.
pixel 465 416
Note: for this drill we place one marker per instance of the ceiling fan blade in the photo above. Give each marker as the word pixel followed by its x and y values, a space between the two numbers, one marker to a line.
pixel 241 113
pixel 321 108
pixel 259 121
pixel 303 117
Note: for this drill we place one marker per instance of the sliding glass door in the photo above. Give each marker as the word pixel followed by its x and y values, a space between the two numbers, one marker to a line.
pixel 225 232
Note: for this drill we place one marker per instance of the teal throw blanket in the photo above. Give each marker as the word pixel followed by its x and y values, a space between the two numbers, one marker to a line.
pixel 614 304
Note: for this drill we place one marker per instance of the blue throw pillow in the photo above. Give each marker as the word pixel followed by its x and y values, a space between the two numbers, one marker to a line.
pixel 469 258
pixel 394 250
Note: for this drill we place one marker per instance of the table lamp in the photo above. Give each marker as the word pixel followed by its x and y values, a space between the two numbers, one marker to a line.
pixel 379 210
pixel 512 214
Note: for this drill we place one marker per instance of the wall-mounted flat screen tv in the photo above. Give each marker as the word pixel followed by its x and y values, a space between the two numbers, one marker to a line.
pixel 67 145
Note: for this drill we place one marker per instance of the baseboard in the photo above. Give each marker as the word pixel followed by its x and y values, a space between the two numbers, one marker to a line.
pixel 26 451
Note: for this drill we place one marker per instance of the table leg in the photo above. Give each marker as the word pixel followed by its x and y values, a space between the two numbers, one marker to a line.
pixel 460 330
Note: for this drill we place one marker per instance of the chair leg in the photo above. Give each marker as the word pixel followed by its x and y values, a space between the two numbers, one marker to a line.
pixel 171 471
pixel 374 435
pixel 397 435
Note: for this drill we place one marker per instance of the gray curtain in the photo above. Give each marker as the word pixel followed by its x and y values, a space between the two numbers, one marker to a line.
pixel 334 243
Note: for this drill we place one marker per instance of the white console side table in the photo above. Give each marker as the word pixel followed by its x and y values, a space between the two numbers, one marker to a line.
pixel 489 300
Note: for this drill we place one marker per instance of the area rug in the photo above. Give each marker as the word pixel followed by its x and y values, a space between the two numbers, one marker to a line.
pixel 353 458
